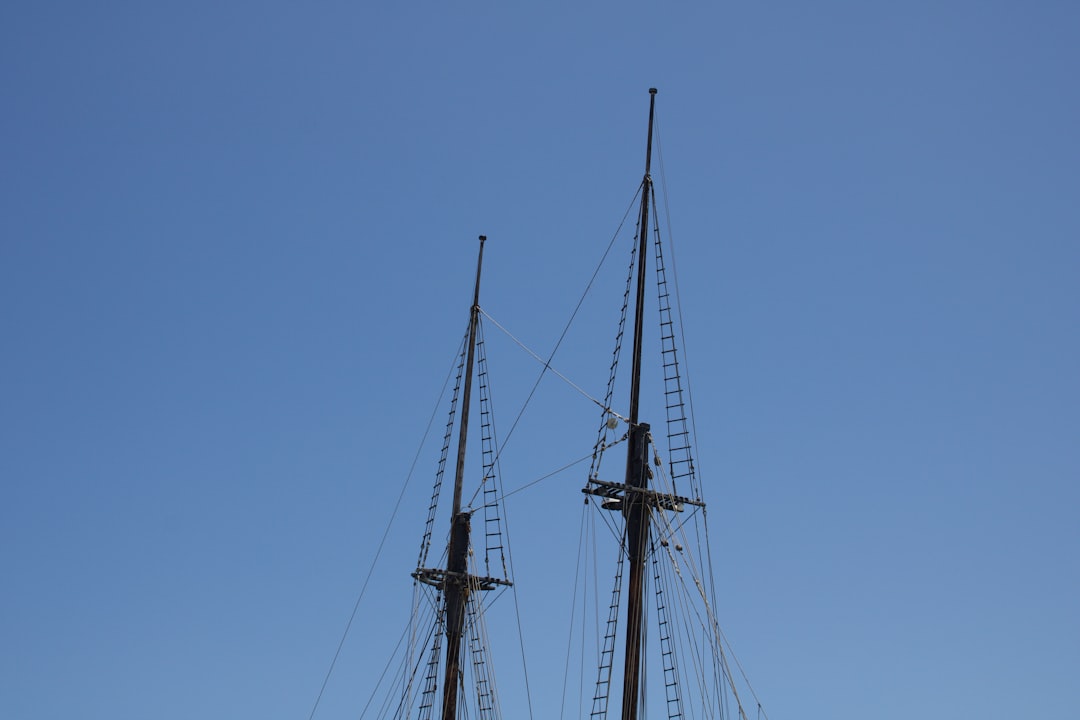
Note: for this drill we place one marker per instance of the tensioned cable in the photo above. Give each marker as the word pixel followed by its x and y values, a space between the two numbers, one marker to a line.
pixel 528 485
pixel 520 630
pixel 690 394
pixel 686 359
pixel 382 541
pixel 589 553
pixel 517 608
pixel 547 366
pixel 378 683
pixel 616 530
pixel 678 298
pixel 573 613
pixel 483 666
pixel 661 519
pixel 562 336
pixel 715 626
pixel 731 650
pixel 687 640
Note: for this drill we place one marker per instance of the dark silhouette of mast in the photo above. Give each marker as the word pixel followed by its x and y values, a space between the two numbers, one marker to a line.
pixel 455 584
pixel 635 506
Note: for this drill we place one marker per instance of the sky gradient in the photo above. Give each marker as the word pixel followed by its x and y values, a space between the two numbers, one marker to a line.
pixel 236 253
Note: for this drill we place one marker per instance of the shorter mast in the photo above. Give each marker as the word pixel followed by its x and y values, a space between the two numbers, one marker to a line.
pixel 455 584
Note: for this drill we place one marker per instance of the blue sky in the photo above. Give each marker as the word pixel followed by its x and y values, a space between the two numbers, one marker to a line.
pixel 236 250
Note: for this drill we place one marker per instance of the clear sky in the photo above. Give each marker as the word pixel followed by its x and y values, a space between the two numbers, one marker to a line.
pixel 236 250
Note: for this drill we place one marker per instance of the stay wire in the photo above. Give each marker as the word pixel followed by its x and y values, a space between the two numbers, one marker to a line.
pixel 678 303
pixel 573 612
pixel 553 473
pixel 562 336
pixel 662 520
pixel 547 366
pixel 690 396
pixel 689 388
pixel 517 610
pixel 382 541
pixel 386 669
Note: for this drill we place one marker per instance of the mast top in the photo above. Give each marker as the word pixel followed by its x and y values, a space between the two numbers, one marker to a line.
pixel 476 292
pixel 648 149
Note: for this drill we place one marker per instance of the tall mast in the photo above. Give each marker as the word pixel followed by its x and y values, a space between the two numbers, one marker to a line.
pixel 635 507
pixel 455 585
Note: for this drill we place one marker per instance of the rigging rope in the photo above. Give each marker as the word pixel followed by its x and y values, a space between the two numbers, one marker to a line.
pixel 562 336
pixel 582 545
pixel 713 625
pixel 517 616
pixel 678 305
pixel 547 366
pixel 528 485
pixel 605 421
pixel 382 541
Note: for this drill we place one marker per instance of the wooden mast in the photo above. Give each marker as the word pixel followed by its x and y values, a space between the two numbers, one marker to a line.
pixel 455 585
pixel 635 506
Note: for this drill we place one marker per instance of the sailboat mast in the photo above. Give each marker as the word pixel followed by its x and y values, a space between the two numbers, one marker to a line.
pixel 455 585
pixel 643 237
pixel 637 466
pixel 463 433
